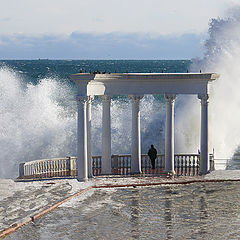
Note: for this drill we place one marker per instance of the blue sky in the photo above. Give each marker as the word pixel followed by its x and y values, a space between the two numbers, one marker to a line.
pixel 106 29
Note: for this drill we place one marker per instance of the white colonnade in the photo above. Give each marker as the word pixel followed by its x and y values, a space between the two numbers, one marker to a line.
pixel 82 136
pixel 106 135
pixel 135 86
pixel 169 134
pixel 136 135
pixel 204 134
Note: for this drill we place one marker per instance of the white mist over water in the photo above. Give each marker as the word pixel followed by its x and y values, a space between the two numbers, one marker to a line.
pixel 223 56
pixel 39 121
pixel 32 125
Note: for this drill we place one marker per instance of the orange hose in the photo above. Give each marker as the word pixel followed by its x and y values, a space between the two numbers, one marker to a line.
pixel 16 226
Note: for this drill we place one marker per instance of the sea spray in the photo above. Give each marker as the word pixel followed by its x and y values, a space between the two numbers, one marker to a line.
pixel 152 124
pixel 222 55
pixel 33 125
pixel 39 121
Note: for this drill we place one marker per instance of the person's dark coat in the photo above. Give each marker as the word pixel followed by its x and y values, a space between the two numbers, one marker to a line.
pixel 152 153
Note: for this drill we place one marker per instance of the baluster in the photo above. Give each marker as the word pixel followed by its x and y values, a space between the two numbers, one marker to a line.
pixel 99 166
pixel 54 168
pixel 95 163
pixel 124 165
pixel 61 164
pixel 56 162
pixel 35 165
pixel 48 168
pixel 190 165
pixel 193 166
pixel 64 168
pixel 129 164
pixel 93 166
pixel 31 169
pixel 120 160
pixel 36 168
pixel 119 165
pixel 198 164
pixel 185 165
pixel 181 165
pixel 177 164
pixel 60 168
pixel 44 169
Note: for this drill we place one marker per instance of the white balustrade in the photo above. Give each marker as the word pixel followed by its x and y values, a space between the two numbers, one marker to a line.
pixel 185 164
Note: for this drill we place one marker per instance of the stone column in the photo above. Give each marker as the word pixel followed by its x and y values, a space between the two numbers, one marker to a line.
pixel 106 135
pixel 169 134
pixel 136 136
pixel 89 135
pixel 204 166
pixel 82 152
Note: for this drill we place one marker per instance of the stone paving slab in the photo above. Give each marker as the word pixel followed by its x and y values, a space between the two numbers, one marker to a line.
pixel 21 200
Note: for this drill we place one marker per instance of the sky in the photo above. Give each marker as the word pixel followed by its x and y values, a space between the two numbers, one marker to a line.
pixel 106 29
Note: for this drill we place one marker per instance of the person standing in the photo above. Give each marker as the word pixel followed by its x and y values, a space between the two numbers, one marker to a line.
pixel 152 153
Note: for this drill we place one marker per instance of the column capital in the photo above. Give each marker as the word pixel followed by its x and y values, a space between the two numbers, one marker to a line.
pixel 170 97
pixel 83 99
pixel 105 98
pixel 135 97
pixel 204 98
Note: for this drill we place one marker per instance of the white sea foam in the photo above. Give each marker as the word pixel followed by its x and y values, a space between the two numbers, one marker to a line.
pixel 39 121
pixel 33 124
pixel 223 56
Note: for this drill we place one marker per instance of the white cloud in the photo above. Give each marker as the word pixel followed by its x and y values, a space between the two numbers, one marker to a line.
pixel 105 16
pixel 100 46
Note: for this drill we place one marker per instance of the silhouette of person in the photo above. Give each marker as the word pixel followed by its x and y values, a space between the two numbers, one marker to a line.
pixel 152 153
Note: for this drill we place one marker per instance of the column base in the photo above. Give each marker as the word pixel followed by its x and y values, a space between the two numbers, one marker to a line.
pixel 169 173
pixel 136 172
pixel 82 179
pixel 105 174
pixel 204 173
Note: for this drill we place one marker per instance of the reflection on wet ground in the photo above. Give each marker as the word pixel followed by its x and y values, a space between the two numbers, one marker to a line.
pixel 194 211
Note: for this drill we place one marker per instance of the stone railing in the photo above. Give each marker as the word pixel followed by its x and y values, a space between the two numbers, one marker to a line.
pixel 185 164
pixel 48 168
